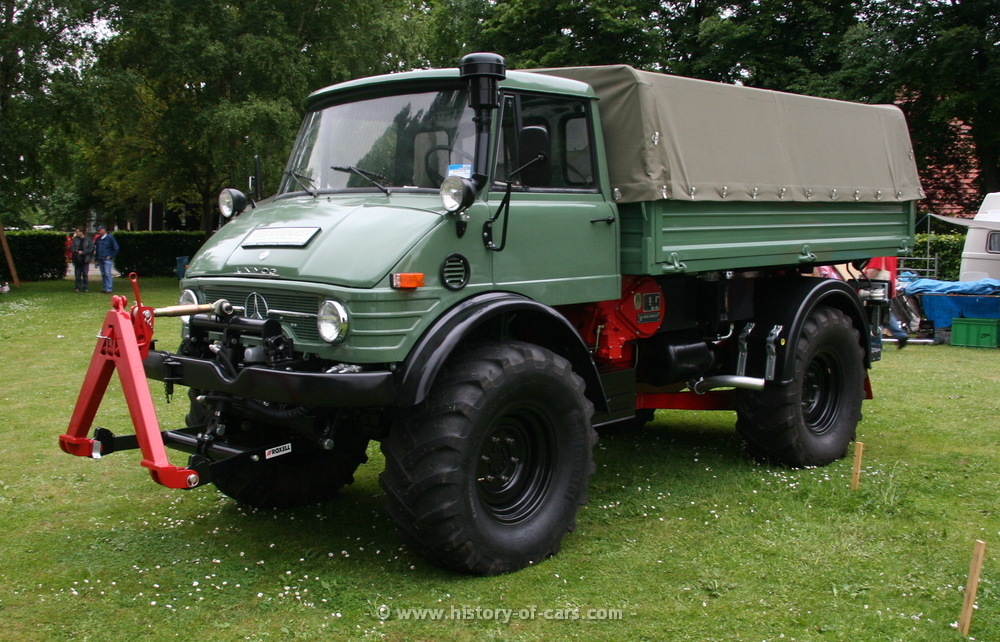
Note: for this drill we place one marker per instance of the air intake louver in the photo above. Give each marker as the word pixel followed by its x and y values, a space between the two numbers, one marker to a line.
pixel 455 272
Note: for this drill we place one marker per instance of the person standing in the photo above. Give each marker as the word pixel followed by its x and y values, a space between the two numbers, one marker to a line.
pixel 81 249
pixel 105 249
pixel 886 268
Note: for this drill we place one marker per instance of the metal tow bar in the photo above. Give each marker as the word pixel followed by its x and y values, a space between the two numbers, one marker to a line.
pixel 122 345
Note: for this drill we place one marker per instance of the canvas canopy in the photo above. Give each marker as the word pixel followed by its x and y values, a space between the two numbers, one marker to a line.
pixel 669 137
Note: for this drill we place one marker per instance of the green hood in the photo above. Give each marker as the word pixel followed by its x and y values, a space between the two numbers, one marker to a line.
pixel 339 240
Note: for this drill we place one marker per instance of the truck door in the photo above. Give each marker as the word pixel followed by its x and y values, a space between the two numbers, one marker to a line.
pixel 562 235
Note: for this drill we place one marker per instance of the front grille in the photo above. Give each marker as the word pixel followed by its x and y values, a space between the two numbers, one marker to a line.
pixel 279 303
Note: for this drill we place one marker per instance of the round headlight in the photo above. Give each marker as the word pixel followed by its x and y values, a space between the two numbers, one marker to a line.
pixel 231 202
pixel 457 193
pixel 187 297
pixel 331 321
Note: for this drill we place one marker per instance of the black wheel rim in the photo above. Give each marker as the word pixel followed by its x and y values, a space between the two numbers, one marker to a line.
pixel 515 466
pixel 821 392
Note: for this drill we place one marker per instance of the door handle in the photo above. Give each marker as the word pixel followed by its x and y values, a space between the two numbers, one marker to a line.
pixel 607 219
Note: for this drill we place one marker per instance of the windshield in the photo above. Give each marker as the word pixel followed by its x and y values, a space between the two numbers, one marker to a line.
pixel 409 140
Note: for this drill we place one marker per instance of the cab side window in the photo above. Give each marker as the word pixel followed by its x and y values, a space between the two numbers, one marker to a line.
pixel 558 125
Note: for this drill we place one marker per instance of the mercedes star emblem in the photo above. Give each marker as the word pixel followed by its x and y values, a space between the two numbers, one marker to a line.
pixel 255 306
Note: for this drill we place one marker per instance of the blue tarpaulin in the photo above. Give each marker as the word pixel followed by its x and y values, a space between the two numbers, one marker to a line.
pixel 931 286
pixel 943 301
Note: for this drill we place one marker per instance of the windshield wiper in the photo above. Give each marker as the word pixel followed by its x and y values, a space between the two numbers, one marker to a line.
pixel 365 174
pixel 304 181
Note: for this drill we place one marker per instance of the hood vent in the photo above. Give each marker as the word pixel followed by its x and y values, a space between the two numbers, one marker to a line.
pixel 455 272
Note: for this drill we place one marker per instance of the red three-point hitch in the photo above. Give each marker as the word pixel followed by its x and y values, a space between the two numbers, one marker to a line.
pixel 122 344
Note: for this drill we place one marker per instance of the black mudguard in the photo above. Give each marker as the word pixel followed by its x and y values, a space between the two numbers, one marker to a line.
pixel 788 302
pixel 496 316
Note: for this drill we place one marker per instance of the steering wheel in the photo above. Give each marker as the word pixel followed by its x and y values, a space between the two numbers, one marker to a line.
pixel 431 167
pixel 584 178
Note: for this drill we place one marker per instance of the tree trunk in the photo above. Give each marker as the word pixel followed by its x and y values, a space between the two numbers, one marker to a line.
pixel 208 212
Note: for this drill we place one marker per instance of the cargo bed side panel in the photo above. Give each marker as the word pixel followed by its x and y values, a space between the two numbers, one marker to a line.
pixel 672 237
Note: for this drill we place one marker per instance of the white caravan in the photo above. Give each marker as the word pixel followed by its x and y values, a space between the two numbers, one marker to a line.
pixel 981 255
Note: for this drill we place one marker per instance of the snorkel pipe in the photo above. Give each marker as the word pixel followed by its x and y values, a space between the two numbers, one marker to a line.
pixel 483 71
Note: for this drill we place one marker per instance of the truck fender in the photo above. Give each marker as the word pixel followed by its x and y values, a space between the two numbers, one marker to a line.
pixel 789 302
pixel 488 315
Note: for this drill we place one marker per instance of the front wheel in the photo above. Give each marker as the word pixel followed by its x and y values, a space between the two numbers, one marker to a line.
pixel 486 476
pixel 811 420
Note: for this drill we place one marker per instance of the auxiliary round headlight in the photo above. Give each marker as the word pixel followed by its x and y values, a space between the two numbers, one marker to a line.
pixel 231 202
pixel 457 193
pixel 187 297
pixel 331 321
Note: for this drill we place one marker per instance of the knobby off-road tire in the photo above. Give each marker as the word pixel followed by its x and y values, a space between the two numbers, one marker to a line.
pixel 811 420
pixel 487 475
pixel 301 477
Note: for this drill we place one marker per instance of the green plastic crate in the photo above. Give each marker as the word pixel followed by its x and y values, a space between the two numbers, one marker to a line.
pixel 975 333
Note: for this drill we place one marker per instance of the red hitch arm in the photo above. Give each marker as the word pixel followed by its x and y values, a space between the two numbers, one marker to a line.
pixel 122 345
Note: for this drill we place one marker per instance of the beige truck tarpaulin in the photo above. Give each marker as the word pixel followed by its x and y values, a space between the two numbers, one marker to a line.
pixel 669 137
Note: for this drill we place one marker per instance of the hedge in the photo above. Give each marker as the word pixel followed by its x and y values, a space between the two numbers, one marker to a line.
pixel 41 256
pixel 38 255
pixel 155 253
pixel 948 249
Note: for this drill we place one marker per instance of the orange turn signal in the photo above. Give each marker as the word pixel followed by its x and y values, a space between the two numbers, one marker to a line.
pixel 407 280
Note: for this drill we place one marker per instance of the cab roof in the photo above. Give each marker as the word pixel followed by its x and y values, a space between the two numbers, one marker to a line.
pixel 517 80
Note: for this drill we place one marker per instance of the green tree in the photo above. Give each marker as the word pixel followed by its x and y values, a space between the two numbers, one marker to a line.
pixel 536 33
pixel 453 29
pixel 40 40
pixel 788 45
pixel 943 67
pixel 186 91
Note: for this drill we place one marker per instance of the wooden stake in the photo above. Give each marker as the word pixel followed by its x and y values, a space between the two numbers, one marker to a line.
pixel 10 258
pixel 859 451
pixel 965 621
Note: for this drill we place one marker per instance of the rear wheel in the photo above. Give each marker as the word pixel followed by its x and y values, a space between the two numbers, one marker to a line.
pixel 487 475
pixel 811 420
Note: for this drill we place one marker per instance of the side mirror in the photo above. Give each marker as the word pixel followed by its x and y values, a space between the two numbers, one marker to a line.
pixel 256 183
pixel 534 156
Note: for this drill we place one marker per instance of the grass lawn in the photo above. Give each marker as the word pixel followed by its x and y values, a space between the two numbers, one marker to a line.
pixel 684 537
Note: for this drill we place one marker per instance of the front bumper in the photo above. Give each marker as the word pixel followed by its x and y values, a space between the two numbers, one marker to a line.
pixel 356 390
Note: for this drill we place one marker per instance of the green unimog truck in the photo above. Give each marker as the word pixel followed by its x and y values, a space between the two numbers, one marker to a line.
pixel 479 267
